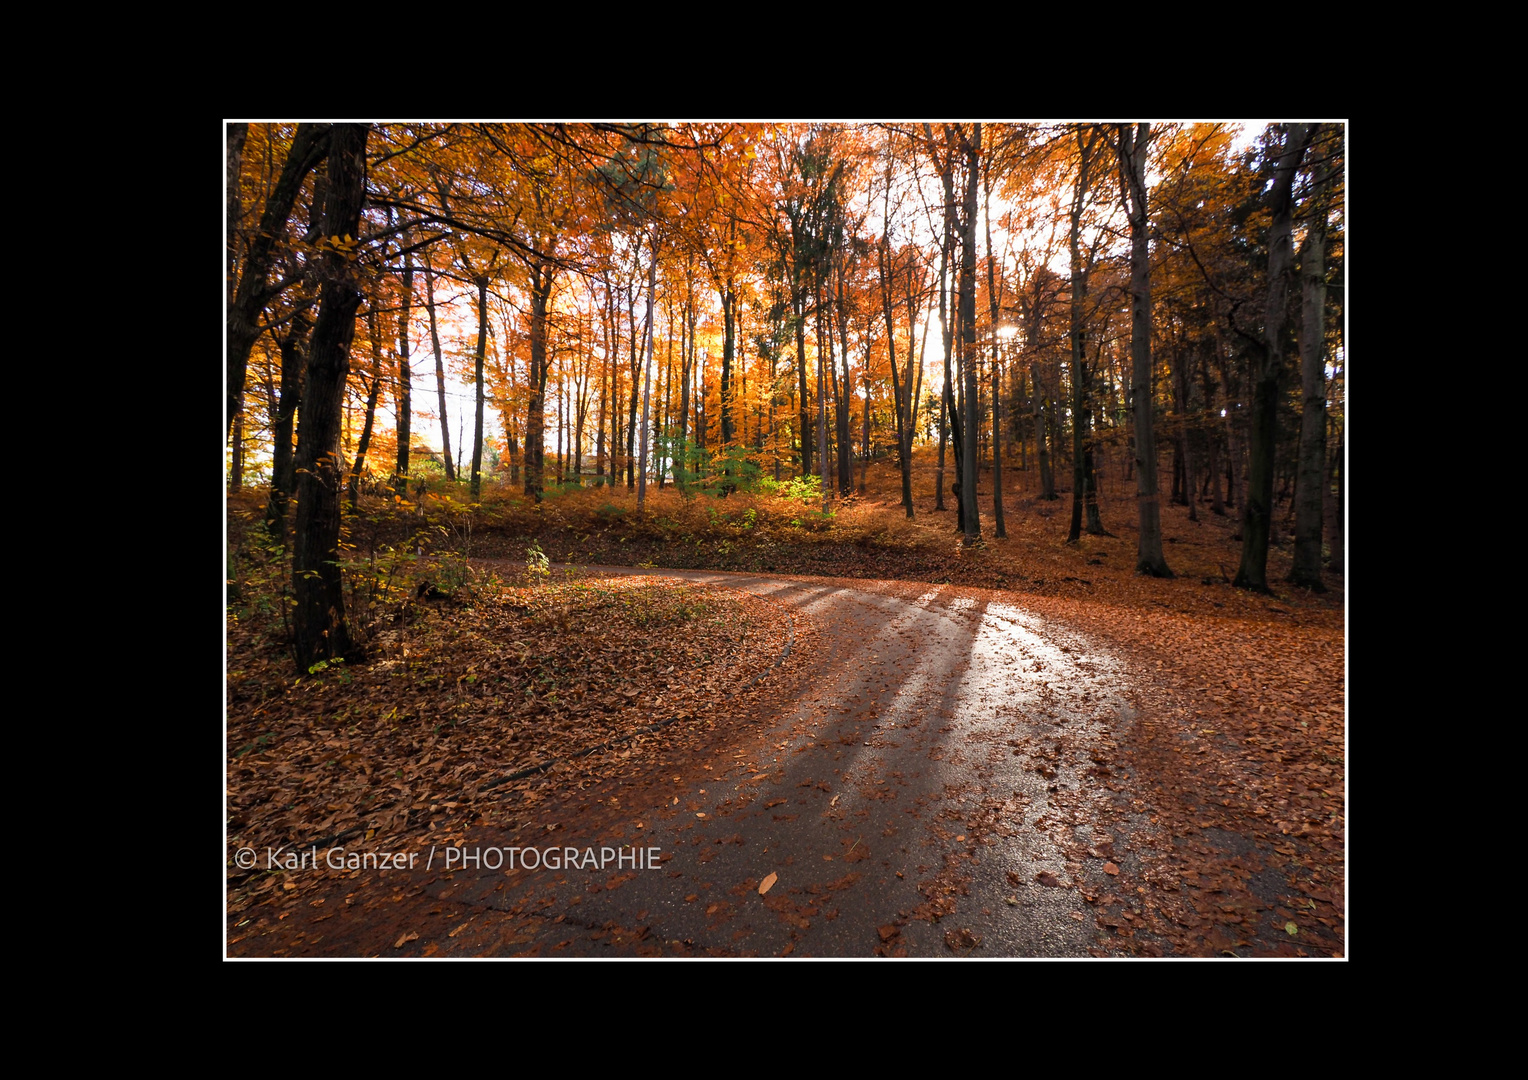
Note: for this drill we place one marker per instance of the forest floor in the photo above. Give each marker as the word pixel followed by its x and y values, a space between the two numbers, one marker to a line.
pixel 502 696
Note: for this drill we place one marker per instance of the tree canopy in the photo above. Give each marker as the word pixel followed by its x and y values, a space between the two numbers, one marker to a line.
pixel 716 304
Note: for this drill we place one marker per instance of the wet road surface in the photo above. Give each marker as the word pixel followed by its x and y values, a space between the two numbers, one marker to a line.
pixel 913 800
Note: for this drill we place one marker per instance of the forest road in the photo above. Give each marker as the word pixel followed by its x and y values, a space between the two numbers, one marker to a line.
pixel 915 799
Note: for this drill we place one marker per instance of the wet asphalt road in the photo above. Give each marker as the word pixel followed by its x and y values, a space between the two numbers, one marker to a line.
pixel 908 802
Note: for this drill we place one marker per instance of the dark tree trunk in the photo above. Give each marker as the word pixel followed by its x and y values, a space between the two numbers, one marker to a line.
pixel 1257 508
pixel 283 476
pixel 729 349
pixel 236 466
pixel 320 630
pixel 1339 540
pixel 841 411
pixel 686 370
pixel 440 371
pixel 1132 163
pixel 1042 442
pixel 1083 495
pixel 865 433
pixel 373 392
pixel 254 290
pixel 901 390
pixel 804 424
pixel 478 389
pixel 542 274
pixel 233 164
pixel 1149 558
pixel 994 305
pixel 824 358
pixel 404 403
pixel 968 359
pixel 1212 444
pixel 1311 485
pixel 631 418
pixel 647 377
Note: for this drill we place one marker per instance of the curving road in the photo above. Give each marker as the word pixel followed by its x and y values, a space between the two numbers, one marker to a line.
pixel 913 800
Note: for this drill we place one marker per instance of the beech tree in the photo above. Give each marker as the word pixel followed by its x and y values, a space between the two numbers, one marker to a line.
pixel 319 628
pixel 1132 180
pixel 1257 512
pixel 1089 139
pixel 1311 483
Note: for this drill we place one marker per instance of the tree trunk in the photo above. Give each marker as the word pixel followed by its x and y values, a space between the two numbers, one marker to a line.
pixel 686 370
pixel 254 291
pixel 804 424
pixel 440 370
pixel 1042 443
pixel 631 419
pixel 1311 485
pixel 968 357
pixel 822 405
pixel 647 375
pixel 1212 444
pixel 541 277
pixel 1083 494
pixel 901 390
pixel 994 305
pixel 1132 165
pixel 235 136
pixel 479 362
pixel 1257 508
pixel 841 386
pixel 1339 539
pixel 236 467
pixel 372 393
pixel 1184 395
pixel 283 475
pixel 865 435
pixel 320 630
pixel 404 400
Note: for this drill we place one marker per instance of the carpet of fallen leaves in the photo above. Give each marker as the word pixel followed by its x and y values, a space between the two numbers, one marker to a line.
pixel 465 701
pixel 1219 815
pixel 1234 813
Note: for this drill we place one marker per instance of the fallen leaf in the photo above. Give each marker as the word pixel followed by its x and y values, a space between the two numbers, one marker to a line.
pixel 768 883
pixel 961 939
pixel 405 939
pixel 1110 868
pixel 888 932
pixel 1291 929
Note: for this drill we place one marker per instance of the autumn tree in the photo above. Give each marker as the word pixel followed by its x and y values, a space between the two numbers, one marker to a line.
pixel 254 288
pixel 1089 143
pixel 1311 483
pixel 320 631
pixel 1257 513
pixel 1132 153
pixel 971 147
